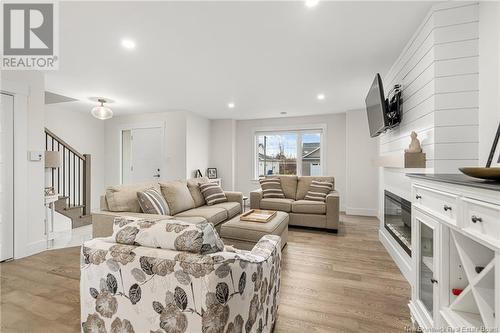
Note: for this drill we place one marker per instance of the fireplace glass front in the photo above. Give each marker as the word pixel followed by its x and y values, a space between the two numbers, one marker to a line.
pixel 397 219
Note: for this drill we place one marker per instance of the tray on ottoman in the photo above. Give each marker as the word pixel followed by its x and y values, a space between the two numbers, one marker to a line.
pixel 245 234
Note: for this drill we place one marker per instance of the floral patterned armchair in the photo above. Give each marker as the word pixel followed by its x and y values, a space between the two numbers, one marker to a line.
pixel 129 288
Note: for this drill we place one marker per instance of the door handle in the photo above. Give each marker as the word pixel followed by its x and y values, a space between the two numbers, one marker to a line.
pixel 475 219
pixel 156 176
pixel 434 280
pixel 446 208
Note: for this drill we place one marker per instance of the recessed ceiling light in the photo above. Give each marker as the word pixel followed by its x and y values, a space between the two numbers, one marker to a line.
pixel 231 105
pixel 320 97
pixel 311 3
pixel 128 44
pixel 283 112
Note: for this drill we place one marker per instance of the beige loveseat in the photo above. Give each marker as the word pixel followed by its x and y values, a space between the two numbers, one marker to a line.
pixel 302 212
pixel 185 201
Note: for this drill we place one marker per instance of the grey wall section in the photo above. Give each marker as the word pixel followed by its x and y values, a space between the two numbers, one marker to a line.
pixel 361 173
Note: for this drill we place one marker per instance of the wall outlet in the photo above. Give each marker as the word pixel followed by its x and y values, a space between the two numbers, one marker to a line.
pixel 35 156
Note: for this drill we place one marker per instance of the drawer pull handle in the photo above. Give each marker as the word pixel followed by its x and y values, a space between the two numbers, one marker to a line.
pixel 446 208
pixel 434 280
pixel 475 219
pixel 418 196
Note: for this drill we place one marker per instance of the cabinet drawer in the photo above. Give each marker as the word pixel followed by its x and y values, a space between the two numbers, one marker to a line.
pixel 482 219
pixel 441 204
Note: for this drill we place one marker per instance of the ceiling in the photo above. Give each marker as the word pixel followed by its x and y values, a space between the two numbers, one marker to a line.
pixel 266 57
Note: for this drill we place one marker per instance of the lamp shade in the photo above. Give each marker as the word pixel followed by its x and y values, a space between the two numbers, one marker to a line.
pixel 52 159
pixel 102 112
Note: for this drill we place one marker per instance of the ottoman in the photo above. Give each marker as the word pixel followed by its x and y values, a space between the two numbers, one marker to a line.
pixel 244 234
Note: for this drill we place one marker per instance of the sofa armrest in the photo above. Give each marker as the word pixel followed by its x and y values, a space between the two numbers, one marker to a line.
pixel 255 198
pixel 332 210
pixel 234 197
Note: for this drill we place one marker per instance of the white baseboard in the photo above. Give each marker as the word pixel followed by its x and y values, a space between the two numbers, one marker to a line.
pixel 34 248
pixel 401 258
pixel 361 211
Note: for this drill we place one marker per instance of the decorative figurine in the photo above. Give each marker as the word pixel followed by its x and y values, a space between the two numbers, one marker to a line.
pixel 414 146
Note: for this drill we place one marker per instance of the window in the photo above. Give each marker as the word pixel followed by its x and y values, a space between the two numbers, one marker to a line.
pixel 289 153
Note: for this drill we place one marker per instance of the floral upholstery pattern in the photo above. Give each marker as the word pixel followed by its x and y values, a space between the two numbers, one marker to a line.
pixel 136 289
pixel 167 234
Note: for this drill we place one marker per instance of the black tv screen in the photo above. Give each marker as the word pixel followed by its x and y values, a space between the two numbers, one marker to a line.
pixel 376 107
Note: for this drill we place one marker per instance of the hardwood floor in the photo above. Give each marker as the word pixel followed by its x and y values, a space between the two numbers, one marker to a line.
pixel 330 283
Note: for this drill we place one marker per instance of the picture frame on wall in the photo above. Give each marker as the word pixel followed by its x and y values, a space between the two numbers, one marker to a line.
pixel 212 173
pixel 494 157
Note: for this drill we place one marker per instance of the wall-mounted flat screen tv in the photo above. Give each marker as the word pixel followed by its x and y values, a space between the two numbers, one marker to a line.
pixel 376 108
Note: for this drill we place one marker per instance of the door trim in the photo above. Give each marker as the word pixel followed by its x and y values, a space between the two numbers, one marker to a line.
pixel 21 218
pixel 128 127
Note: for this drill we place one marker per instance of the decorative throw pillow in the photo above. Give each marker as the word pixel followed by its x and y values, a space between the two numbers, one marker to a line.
pixel 212 193
pixel 167 234
pixel 318 191
pixel 152 202
pixel 177 195
pixel 271 188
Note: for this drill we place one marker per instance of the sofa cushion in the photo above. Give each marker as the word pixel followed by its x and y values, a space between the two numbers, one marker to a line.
pixel 167 234
pixel 318 191
pixel 177 195
pixel 284 205
pixel 212 193
pixel 214 215
pixel 193 186
pixel 309 207
pixel 232 208
pixel 123 198
pixel 271 188
pixel 289 186
pixel 304 182
pixel 152 202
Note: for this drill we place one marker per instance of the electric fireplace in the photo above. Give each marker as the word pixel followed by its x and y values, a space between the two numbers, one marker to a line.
pixel 397 219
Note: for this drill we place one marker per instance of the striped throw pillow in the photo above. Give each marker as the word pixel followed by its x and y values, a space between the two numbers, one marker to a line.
pixel 271 188
pixel 318 191
pixel 152 202
pixel 212 193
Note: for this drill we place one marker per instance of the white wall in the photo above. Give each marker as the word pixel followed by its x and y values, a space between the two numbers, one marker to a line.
pixel 489 76
pixel 29 226
pixel 223 151
pixel 186 146
pixel 361 174
pixel 84 133
pixel 438 70
pixel 335 141
pixel 198 131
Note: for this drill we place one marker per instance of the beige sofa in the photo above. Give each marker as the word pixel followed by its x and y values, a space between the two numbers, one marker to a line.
pixel 184 199
pixel 302 212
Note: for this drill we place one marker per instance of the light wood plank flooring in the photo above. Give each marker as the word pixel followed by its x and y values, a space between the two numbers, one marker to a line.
pixel 330 283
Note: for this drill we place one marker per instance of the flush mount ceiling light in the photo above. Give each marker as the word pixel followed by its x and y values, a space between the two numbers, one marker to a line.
pixel 231 105
pixel 320 97
pixel 311 3
pixel 128 44
pixel 283 112
pixel 102 112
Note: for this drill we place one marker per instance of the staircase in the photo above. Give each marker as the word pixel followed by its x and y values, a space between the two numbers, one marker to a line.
pixel 71 181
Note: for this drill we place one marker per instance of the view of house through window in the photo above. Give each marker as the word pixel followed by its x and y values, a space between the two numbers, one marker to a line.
pixel 289 153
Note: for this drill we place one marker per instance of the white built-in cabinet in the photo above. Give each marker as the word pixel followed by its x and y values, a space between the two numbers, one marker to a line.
pixel 456 245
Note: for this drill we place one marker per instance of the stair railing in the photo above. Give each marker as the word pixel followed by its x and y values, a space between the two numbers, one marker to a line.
pixel 72 178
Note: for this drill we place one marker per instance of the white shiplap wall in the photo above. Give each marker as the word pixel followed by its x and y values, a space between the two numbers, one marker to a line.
pixel 438 71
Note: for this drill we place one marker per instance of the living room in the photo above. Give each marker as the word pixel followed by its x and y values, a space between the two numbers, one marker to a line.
pixel 345 127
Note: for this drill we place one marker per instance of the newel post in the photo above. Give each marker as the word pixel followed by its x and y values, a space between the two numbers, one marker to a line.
pixel 87 190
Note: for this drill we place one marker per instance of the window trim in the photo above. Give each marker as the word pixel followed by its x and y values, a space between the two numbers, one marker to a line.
pixel 297 129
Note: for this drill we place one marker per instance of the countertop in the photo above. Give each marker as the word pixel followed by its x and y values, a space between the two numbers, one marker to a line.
pixel 458 179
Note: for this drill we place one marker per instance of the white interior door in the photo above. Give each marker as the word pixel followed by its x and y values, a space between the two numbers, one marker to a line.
pixel 146 146
pixel 7 177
